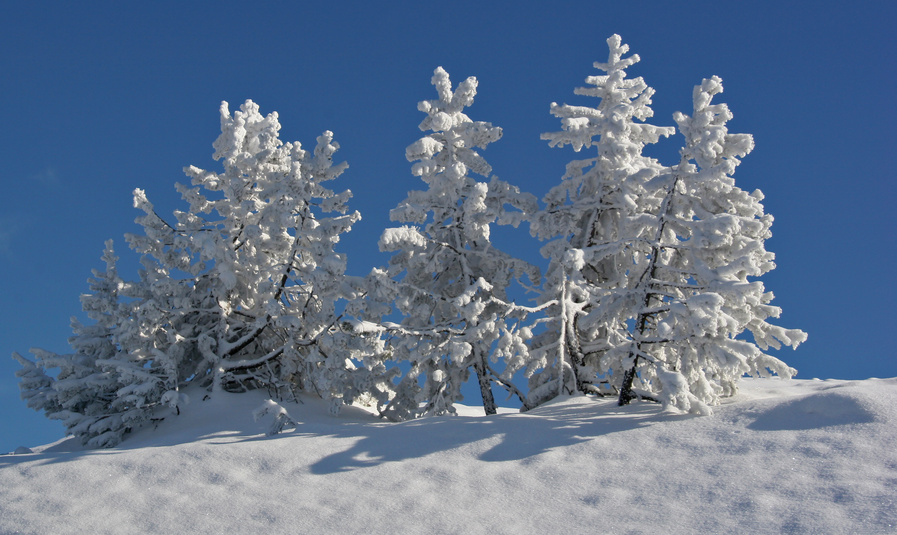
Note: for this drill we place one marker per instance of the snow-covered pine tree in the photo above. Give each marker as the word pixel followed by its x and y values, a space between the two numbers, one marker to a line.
pixel 258 305
pixel 243 290
pixel 693 288
pixel 451 281
pixel 602 208
pixel 84 392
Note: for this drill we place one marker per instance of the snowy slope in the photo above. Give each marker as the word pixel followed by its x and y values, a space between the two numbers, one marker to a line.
pixel 792 456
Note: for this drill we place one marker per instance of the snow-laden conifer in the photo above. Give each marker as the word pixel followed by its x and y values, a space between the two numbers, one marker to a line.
pixel 259 306
pixel 694 290
pixel 451 281
pixel 84 391
pixel 603 205
pixel 244 289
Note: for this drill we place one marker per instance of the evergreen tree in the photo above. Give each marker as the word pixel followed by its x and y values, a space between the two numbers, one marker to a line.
pixel 693 289
pixel 243 290
pixel 452 282
pixel 602 208
pixel 259 307
pixel 86 393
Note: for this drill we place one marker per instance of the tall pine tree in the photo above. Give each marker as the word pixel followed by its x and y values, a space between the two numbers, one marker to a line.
pixel 452 282
pixel 243 290
pixel 603 206
pixel 696 290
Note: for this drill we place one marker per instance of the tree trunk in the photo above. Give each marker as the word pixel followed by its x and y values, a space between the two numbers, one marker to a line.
pixel 626 394
pixel 485 384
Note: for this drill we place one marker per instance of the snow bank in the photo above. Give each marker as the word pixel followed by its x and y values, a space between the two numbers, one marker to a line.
pixel 783 457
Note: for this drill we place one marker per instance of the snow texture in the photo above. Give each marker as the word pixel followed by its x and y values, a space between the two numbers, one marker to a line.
pixel 783 456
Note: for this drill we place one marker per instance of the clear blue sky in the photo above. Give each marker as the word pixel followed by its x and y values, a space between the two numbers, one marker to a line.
pixel 103 97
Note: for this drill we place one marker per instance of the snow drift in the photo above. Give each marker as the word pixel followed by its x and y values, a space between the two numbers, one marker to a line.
pixel 784 456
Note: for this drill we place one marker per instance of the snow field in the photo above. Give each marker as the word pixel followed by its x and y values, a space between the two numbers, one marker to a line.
pixel 785 456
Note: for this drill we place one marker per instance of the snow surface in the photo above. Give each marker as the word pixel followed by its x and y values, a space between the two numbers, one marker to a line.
pixel 784 456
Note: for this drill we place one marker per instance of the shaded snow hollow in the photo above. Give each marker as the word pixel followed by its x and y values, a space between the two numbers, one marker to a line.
pixel 785 456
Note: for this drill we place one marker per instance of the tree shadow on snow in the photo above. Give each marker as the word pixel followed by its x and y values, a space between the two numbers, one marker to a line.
pixel 504 437
pixel 512 437
pixel 64 450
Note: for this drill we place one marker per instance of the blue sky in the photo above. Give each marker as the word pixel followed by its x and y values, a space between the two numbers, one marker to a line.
pixel 104 97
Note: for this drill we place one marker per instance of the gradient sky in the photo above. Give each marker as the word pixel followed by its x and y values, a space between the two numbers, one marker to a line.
pixel 104 97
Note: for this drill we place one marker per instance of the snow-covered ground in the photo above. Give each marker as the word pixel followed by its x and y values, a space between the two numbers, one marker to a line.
pixel 795 456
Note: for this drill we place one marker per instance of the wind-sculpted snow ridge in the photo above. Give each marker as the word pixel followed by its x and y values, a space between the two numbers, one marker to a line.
pixel 783 456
